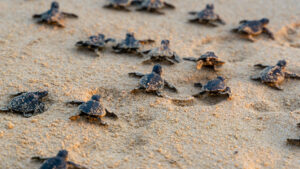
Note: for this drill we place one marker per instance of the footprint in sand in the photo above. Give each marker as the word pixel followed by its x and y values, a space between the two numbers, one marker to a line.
pixel 291 34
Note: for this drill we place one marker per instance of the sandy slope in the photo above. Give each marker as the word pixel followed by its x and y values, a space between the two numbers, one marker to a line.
pixel 151 132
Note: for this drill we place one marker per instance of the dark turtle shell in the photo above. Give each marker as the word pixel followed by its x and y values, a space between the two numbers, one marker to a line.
pixel 162 52
pixel 272 74
pixel 152 4
pixel 94 42
pixel 208 56
pixel 93 108
pixel 215 85
pixel 129 44
pixel 207 14
pixel 152 82
pixel 27 102
pixel 54 163
pixel 253 27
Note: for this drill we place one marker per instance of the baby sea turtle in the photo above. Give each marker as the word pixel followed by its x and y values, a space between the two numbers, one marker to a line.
pixel 27 103
pixel 54 16
pixel 273 76
pixel 253 28
pixel 208 59
pixel 206 16
pixel 214 87
pixel 295 142
pixel 94 43
pixel 60 161
pixel 162 53
pixel 121 4
pixel 152 82
pixel 130 44
pixel 93 109
pixel 154 6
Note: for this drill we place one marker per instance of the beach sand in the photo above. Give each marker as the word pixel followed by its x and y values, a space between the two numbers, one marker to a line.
pixel 249 131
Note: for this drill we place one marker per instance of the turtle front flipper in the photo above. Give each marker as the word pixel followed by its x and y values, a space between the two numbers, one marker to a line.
pixel 275 86
pixel 103 123
pixel 170 86
pixel 190 59
pixel 168 5
pixel 136 74
pixel 72 165
pixel 250 38
pixel 4 109
pixel 220 20
pixel 75 102
pixel 176 58
pixel 262 66
pixel 269 33
pixel 110 40
pixel 291 75
pixel 192 12
pixel 40 159
pixel 147 61
pixel 39 108
pixel 73 118
pixel 28 114
pixel 111 114
pixel 198 85
pixel 136 90
pixel 17 94
pixel 255 77
pixel 295 142
pixel 37 15
pixel 243 21
pixel 69 15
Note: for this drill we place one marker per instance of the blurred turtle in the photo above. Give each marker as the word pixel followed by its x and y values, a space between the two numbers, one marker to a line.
pixel 273 76
pixel 214 87
pixel 92 109
pixel 54 16
pixel 206 16
pixel 27 103
pixel 154 6
pixel 130 44
pixel 295 142
pixel 94 43
pixel 121 4
pixel 162 53
pixel 152 82
pixel 253 28
pixel 57 162
pixel 208 59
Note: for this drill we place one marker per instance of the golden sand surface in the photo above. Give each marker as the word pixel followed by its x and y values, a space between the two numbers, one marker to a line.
pixel 247 132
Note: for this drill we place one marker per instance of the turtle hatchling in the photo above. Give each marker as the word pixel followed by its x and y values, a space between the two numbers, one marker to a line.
pixel 54 16
pixel 130 44
pixel 206 16
pixel 60 161
pixel 162 53
pixel 154 6
pixel 93 109
pixel 27 103
pixel 95 43
pixel 208 59
pixel 254 28
pixel 292 141
pixel 152 82
pixel 121 4
pixel 273 76
pixel 214 87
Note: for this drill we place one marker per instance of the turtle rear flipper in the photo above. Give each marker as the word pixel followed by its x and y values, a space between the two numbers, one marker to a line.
pixel 170 86
pixel 255 77
pixel 262 66
pixel 69 15
pixel 295 142
pixel 192 12
pixel 136 74
pixel 292 75
pixel 226 92
pixel 4 109
pixel 168 5
pixel 73 118
pixel 199 94
pixel 269 33
pixel 37 15
pixel 111 114
pixel 220 20
pixel 147 41
pixel 176 58
pixel 75 102
pixel 198 85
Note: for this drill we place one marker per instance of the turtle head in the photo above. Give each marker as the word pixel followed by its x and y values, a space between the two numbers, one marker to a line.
pixel 96 97
pixel 165 44
pixel 210 6
pixel 264 21
pixel 157 69
pixel 42 93
pixel 129 35
pixel 101 36
pixel 281 63
pixel 62 154
pixel 220 78
pixel 54 5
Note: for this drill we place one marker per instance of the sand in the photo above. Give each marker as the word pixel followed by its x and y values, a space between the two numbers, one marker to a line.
pixel 248 131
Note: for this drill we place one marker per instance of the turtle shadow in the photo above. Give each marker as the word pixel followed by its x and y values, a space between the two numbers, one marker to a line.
pixel 88 52
pixel 213 99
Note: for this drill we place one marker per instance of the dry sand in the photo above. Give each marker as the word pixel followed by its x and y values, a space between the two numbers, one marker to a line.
pixel 248 131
